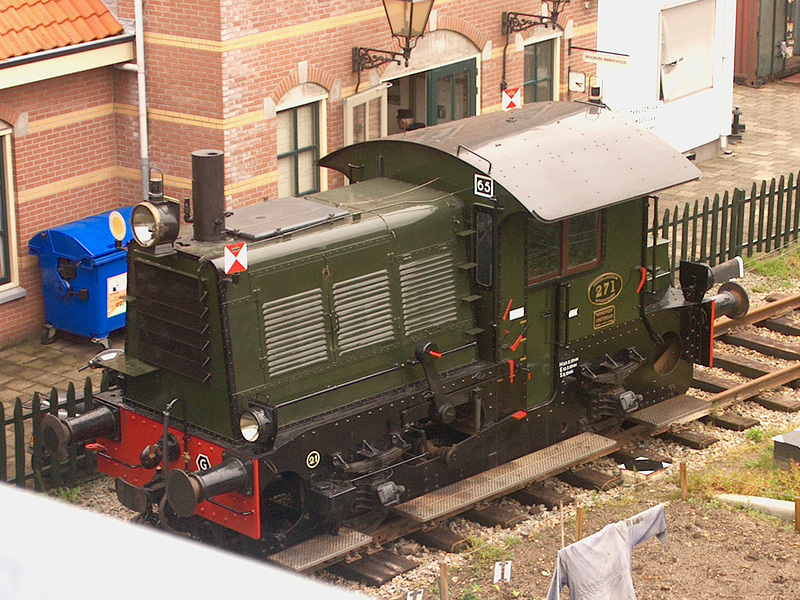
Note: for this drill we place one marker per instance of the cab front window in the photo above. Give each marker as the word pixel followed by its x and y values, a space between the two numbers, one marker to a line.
pixel 564 247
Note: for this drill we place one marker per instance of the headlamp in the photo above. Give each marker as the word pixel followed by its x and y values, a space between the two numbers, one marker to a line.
pixel 255 425
pixel 154 224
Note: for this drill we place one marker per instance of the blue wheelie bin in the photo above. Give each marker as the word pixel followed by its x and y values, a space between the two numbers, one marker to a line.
pixel 84 277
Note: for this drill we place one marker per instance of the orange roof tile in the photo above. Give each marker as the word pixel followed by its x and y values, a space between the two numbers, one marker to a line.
pixel 28 26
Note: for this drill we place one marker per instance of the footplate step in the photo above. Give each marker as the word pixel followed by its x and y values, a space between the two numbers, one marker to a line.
pixel 320 550
pixel 506 478
pixel 679 409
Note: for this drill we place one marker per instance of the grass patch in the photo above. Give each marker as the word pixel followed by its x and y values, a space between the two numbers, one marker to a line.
pixel 780 268
pixel 486 552
pixel 751 471
pixel 67 494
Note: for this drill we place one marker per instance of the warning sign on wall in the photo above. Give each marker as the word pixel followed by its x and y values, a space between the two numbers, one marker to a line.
pixel 511 98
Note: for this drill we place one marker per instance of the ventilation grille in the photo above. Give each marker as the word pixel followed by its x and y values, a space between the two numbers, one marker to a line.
pixel 428 289
pixel 295 332
pixel 172 321
pixel 363 309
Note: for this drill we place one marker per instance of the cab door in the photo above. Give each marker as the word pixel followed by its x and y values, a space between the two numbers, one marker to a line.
pixel 543 294
pixel 556 253
pixel 511 307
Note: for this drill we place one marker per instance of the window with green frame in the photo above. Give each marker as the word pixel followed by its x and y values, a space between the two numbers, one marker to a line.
pixel 298 150
pixel 5 209
pixel 563 248
pixel 539 69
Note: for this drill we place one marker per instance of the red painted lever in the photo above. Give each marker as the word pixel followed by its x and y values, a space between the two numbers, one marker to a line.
pixel 642 280
pixel 508 310
pixel 516 344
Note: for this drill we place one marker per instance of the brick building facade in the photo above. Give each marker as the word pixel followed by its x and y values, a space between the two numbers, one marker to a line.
pixel 269 83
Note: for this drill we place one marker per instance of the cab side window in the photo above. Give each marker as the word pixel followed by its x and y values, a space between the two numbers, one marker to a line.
pixel 583 241
pixel 484 249
pixel 543 250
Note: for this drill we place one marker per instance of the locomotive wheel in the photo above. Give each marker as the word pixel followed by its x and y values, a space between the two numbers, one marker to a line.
pixel 168 519
pixel 667 354
pixel 367 522
pixel 283 504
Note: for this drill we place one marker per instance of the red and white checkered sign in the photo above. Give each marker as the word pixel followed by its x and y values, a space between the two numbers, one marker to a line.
pixel 235 258
pixel 511 98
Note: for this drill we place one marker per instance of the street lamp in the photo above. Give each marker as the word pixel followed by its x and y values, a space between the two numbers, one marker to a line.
pixel 407 20
pixel 514 22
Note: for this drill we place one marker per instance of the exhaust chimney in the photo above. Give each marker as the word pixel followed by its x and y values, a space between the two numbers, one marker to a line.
pixel 208 195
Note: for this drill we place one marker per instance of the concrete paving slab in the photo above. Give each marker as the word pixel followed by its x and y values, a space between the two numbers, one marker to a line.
pixel 769 147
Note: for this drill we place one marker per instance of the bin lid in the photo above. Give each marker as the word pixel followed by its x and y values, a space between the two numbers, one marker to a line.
pixel 88 238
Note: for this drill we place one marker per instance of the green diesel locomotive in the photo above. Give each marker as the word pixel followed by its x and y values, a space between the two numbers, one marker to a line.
pixel 480 290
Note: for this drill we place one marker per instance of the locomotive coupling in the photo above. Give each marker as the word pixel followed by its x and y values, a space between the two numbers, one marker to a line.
pixel 186 490
pixel 58 434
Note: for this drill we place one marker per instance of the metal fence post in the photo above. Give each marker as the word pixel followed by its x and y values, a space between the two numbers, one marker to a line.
pixel 37 460
pixel 19 445
pixel 3 456
pixel 55 461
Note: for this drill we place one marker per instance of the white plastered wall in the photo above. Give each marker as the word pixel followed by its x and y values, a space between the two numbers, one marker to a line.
pixel 688 122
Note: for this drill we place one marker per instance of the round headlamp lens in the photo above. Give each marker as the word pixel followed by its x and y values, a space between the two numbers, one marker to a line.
pixel 249 426
pixel 144 224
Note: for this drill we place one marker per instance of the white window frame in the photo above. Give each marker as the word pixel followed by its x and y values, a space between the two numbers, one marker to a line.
pixel 536 38
pixel 7 289
pixel 366 97
pixel 309 93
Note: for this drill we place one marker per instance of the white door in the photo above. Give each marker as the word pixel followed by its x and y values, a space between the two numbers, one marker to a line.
pixel 365 115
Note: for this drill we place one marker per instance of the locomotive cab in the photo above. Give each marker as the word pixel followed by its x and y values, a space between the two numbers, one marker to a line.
pixel 482 289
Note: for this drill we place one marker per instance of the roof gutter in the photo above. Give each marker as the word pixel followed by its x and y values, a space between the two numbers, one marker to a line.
pixel 60 62
pixel 34 57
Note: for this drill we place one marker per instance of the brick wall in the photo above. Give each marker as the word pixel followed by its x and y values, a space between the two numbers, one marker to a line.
pixel 216 69
pixel 65 170
pixel 216 72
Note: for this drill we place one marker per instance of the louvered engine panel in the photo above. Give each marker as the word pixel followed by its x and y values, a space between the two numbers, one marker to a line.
pixel 172 311
pixel 363 308
pixel 428 289
pixel 295 332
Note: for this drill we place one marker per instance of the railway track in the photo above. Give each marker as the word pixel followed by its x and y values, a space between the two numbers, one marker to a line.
pixel 360 556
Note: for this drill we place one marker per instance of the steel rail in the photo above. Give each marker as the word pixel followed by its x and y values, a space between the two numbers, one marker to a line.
pixel 755 315
pixel 751 388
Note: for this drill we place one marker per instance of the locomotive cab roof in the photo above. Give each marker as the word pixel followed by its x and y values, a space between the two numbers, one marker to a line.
pixel 557 159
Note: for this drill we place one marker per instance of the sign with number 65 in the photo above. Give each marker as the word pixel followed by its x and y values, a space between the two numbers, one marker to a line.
pixel 484 186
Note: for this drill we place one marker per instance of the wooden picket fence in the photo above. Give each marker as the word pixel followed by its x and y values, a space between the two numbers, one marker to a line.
pixel 734 225
pixel 28 461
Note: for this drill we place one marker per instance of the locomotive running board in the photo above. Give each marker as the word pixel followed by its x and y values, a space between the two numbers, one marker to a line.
pixel 309 555
pixel 507 478
pixel 675 410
